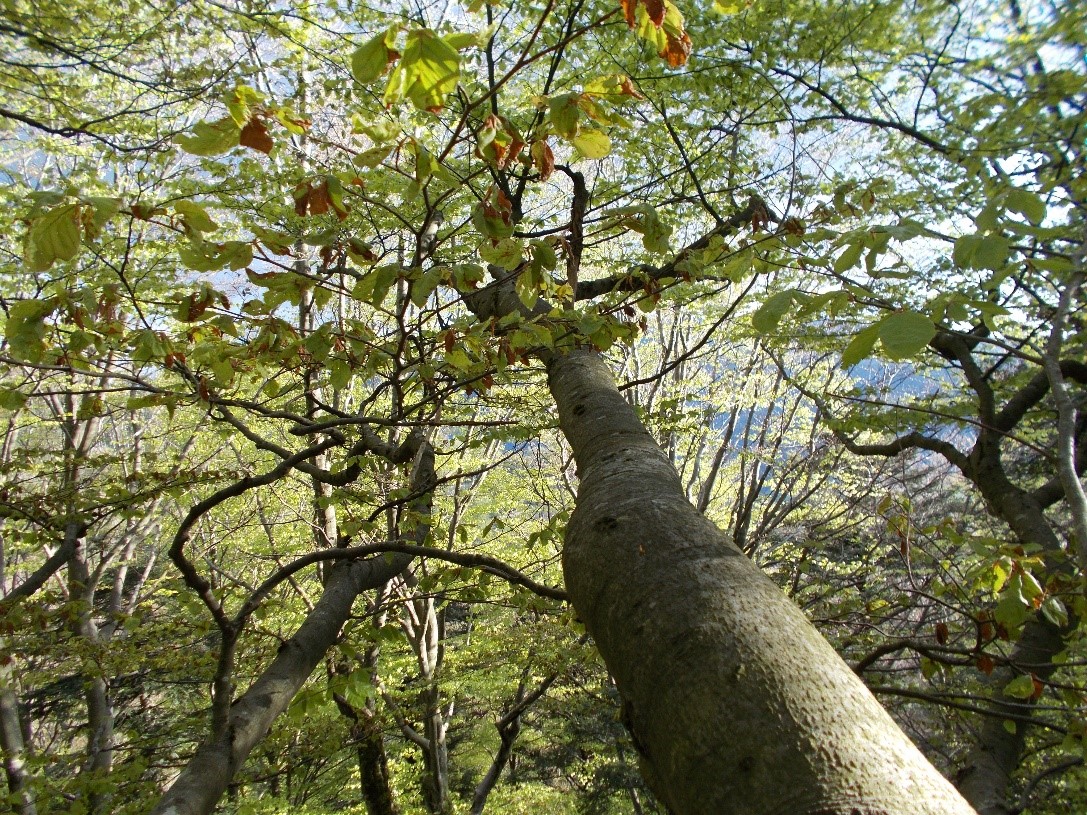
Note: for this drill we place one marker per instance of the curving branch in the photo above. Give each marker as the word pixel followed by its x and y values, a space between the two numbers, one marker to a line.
pixel 756 211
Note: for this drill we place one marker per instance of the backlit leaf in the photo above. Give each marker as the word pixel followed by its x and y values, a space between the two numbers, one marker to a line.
pixel 769 314
pixel 905 333
pixel 372 58
pixel 592 144
pixel 210 138
pixel 54 236
pixel 428 71
pixel 860 346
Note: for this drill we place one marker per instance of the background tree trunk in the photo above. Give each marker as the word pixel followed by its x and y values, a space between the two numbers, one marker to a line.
pixel 209 772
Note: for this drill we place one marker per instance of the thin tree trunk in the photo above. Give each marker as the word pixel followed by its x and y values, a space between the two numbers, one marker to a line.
pixel 11 741
pixel 373 762
pixel 206 777
pixel 95 688
pixel 509 727
pixel 377 789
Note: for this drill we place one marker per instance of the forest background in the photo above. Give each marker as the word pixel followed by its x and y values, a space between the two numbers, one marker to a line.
pixel 398 399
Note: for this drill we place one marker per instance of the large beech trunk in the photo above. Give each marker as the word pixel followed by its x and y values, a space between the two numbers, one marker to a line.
pixel 735 702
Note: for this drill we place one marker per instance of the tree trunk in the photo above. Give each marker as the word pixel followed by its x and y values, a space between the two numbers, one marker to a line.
pixel 988 770
pixel 81 589
pixel 990 765
pixel 207 775
pixel 11 741
pixel 734 701
pixel 374 778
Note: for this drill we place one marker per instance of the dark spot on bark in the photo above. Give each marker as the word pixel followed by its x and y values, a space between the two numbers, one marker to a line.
pixel 578 410
pixel 747 764
pixel 607 522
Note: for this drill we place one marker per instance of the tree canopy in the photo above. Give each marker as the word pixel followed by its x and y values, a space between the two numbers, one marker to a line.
pixel 574 405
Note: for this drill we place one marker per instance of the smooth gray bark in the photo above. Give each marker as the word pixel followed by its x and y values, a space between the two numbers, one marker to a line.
pixel 14 749
pixel 734 701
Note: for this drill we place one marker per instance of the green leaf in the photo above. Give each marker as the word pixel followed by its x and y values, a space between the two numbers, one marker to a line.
pixel 643 219
pixel 11 399
pixel 1054 611
pixel 769 314
pixel 593 144
pixel 194 217
pixel 239 103
pixel 860 346
pixel 1028 204
pixel 339 373
pixel 25 328
pixel 981 252
pixel 543 253
pixel 849 257
pixel 202 256
pixel 54 236
pixel 904 334
pixel 563 112
pixel 427 72
pixel 372 58
pixel 1022 687
pixel 373 157
pixel 527 286
pixel 210 138
pixel 507 252
pixel 375 285
pixel 422 288
pixel 1011 610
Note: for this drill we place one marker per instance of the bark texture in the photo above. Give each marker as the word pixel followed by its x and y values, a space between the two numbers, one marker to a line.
pixel 21 796
pixel 734 701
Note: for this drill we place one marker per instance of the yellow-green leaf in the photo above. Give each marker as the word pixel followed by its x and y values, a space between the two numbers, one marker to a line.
pixel 593 144
pixel 372 58
pixel 210 138
pixel 54 236
pixel 427 73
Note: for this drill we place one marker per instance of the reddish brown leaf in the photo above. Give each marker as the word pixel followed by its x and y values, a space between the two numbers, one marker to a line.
pixel 301 199
pixel 450 340
pixel 626 88
pixel 794 226
pixel 505 205
pixel 628 10
pixel 941 633
pixel 543 158
pixel 677 50
pixel 985 664
pixel 655 9
pixel 515 148
pixel 320 201
pixel 195 307
pixel 255 135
